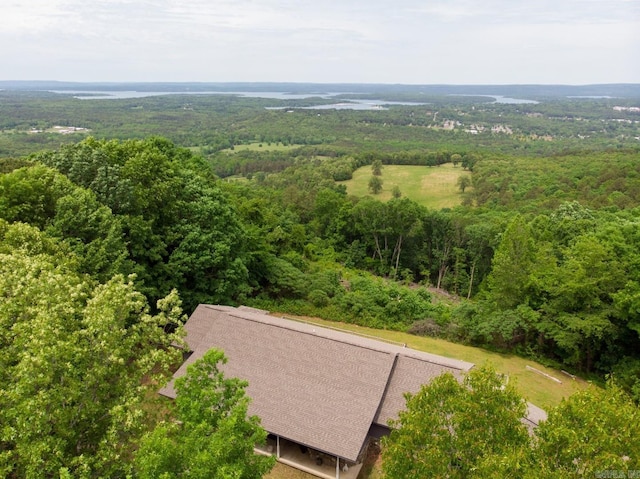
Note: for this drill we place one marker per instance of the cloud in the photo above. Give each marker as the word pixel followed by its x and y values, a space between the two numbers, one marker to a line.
pixel 539 11
pixel 306 40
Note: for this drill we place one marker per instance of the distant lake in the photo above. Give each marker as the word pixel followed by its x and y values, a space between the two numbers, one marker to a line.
pixel 350 105
pixel 594 97
pixel 500 98
pixel 120 95
pixel 347 104
pixel 506 99
pixel 344 105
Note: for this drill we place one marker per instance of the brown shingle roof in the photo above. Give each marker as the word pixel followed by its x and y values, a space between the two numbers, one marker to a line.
pixel 312 385
pixel 408 375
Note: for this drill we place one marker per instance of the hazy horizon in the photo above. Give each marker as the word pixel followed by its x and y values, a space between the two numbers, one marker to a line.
pixel 409 42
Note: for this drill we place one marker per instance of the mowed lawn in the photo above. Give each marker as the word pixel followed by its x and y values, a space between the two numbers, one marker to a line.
pixel 431 186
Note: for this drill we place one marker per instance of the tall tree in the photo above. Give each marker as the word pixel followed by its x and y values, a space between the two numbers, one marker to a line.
pixel 445 428
pixel 376 168
pixel 474 430
pixel 404 220
pixel 211 436
pixel 514 259
pixel 45 198
pixel 579 313
pixel 178 224
pixel 593 431
pixel 463 183
pixel 439 241
pixel 77 360
pixel 375 184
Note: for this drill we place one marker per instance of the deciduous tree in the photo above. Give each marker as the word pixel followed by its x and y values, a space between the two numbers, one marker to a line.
pixel 211 437
pixel 375 184
pixel 449 427
pixel 376 168
pixel 463 182
pixel 76 361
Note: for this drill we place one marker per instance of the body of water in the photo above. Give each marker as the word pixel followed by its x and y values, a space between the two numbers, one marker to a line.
pixel 120 95
pixel 344 105
pixel 347 104
pixel 501 99
pixel 351 105
pixel 593 97
pixel 515 101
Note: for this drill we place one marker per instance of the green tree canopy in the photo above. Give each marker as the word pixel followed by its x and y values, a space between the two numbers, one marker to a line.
pixel 211 437
pixel 449 427
pixel 376 168
pixel 473 430
pixel 593 431
pixel 375 184
pixel 463 182
pixel 73 356
pixel 179 227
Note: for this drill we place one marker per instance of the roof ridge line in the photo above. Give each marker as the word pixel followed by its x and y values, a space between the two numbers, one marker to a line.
pixel 406 351
pixel 409 351
pixel 308 333
pixel 348 331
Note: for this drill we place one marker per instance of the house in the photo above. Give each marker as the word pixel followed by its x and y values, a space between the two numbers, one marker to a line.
pixel 321 394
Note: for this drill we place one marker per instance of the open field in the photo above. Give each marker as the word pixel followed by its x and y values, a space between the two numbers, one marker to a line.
pixel 430 186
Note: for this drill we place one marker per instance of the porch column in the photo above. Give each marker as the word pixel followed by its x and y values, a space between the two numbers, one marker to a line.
pixel 278 447
pixel 337 467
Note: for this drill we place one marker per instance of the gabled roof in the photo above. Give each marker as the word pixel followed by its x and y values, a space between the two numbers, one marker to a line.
pixel 315 386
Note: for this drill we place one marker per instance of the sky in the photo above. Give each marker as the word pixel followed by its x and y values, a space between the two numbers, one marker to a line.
pixel 572 42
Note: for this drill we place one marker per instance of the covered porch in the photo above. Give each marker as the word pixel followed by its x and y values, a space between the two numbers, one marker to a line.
pixel 309 460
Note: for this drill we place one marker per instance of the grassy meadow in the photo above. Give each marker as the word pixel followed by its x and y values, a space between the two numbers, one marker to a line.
pixel 431 186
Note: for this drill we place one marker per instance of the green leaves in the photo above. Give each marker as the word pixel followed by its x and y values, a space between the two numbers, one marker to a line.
pixel 212 437
pixel 473 430
pixel 73 356
pixel 450 428
pixel 513 263
pixel 576 274
pixel 594 430
pixel 178 227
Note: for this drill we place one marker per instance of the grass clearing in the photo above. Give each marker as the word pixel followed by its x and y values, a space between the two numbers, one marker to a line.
pixel 431 186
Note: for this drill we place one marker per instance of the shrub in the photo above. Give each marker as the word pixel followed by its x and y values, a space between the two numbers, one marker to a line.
pixel 318 298
pixel 426 327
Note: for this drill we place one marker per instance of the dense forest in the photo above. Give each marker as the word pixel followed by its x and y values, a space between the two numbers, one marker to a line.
pixel 153 205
